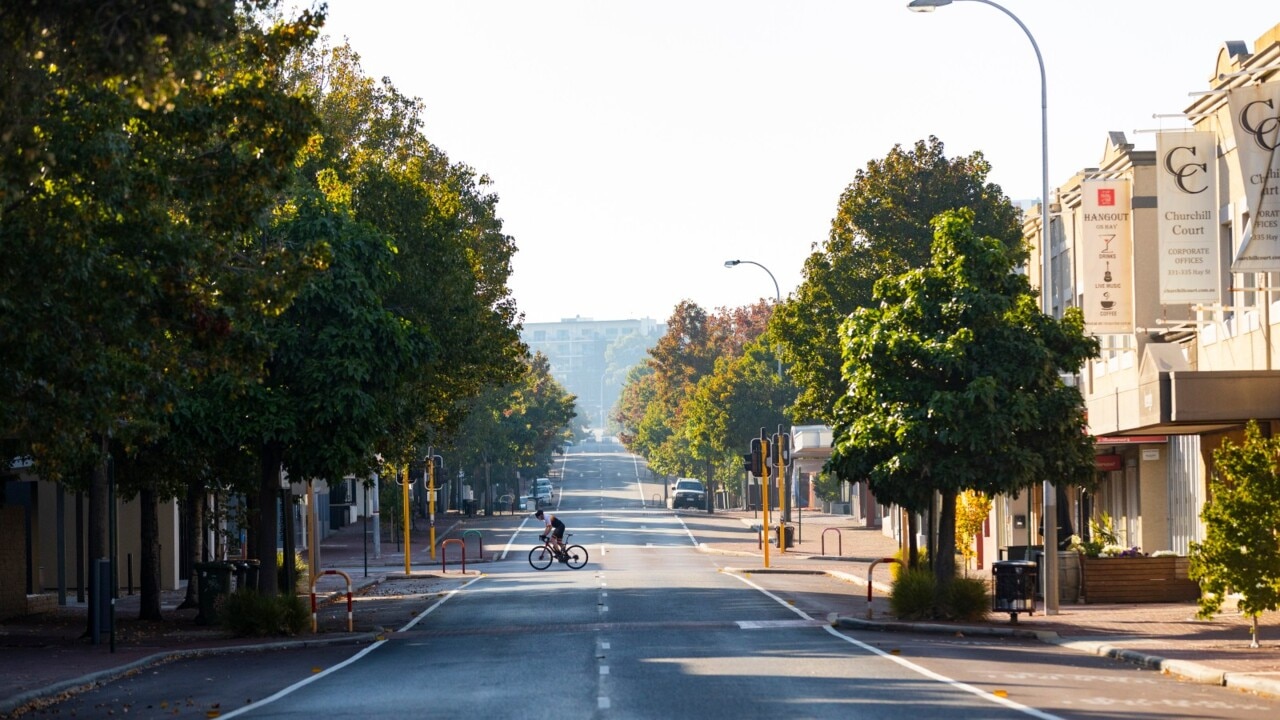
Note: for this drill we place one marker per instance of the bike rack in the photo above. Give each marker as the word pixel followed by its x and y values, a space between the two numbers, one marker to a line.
pixel 657 499
pixel 444 556
pixel 839 542
pixel 870 570
pixel 479 537
pixel 316 579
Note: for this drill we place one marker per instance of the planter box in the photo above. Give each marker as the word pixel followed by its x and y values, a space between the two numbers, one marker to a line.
pixel 1137 580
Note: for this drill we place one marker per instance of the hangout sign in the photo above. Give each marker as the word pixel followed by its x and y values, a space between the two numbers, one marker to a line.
pixel 1107 232
pixel 1255 120
pixel 1186 187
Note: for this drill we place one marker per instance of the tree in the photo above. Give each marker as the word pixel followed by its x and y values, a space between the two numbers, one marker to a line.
pixel 142 144
pixel 881 228
pixel 954 384
pixel 730 406
pixel 1241 548
pixel 654 403
pixel 972 510
pixel 515 428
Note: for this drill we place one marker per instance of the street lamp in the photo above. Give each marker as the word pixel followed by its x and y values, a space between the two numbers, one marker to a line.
pixel 1050 584
pixel 777 294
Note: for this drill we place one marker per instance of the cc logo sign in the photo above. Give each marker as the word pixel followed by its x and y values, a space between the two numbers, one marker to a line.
pixel 1269 126
pixel 1187 170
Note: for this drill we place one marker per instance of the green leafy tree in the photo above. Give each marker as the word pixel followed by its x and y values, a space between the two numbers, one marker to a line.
pixel 654 404
pixel 1241 549
pixel 143 143
pixel 730 406
pixel 515 428
pixel 954 384
pixel 881 228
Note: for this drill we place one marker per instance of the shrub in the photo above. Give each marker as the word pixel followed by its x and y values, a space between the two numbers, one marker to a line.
pixel 912 595
pixel 968 600
pixel 913 598
pixel 299 573
pixel 246 613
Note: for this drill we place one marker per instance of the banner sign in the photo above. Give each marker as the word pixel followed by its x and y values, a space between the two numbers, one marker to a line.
pixel 1255 120
pixel 1107 249
pixel 1186 188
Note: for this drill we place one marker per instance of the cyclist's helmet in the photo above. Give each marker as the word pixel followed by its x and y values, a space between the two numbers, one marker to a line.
pixel 538 514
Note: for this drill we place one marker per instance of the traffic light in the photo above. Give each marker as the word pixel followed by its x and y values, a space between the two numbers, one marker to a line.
pixel 759 450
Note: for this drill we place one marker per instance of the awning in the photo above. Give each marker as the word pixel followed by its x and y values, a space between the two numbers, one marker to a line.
pixel 1172 399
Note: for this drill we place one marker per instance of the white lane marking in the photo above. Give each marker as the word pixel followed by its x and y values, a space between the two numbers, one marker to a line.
pixel 377 644
pixel 602 703
pixel 770 624
pixel 604 669
pixel 979 692
pixel 692 539
pixel 604 646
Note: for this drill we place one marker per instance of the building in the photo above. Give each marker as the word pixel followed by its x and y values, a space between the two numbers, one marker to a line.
pixel 1173 256
pixel 590 358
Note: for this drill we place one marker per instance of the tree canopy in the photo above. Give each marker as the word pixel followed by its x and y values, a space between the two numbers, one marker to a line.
pixel 1241 549
pixel 882 228
pixel 954 383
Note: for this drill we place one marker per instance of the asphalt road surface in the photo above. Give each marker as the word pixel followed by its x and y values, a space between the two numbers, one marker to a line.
pixel 652 628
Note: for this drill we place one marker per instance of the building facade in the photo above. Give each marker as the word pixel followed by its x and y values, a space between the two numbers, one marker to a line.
pixel 1172 254
pixel 590 358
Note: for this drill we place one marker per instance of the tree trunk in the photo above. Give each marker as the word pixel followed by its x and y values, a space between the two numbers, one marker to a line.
pixel 97 541
pixel 944 564
pixel 149 572
pixel 711 495
pixel 193 508
pixel 913 547
pixel 268 492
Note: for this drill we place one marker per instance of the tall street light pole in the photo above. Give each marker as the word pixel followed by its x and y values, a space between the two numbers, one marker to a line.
pixel 777 300
pixel 1050 580
pixel 777 293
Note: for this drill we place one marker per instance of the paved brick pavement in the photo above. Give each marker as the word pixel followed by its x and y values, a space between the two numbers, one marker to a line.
pixel 44 655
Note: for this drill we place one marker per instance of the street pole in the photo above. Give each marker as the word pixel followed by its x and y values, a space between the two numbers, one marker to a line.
pixel 1049 582
pixel 431 500
pixel 404 489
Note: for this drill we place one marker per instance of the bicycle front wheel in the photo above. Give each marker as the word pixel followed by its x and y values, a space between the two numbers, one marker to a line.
pixel 540 557
pixel 577 556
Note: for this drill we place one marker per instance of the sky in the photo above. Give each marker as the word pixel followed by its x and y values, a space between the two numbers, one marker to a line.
pixel 636 145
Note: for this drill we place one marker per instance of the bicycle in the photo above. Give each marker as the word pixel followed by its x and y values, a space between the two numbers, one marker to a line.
pixel 541 556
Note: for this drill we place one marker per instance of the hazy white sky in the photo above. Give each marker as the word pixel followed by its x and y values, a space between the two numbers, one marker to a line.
pixel 638 144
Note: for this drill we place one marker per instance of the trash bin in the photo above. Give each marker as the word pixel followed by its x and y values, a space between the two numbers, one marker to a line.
pixel 787 538
pixel 215 580
pixel 1015 587
pixel 246 572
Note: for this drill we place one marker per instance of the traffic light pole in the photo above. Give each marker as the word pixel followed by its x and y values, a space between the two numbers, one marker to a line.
pixel 431 501
pixel 758 464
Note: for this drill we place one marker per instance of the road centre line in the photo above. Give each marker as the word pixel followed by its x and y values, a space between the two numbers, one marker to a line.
pixel 979 692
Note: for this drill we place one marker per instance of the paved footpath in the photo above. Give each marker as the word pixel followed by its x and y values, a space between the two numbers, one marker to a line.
pixel 43 655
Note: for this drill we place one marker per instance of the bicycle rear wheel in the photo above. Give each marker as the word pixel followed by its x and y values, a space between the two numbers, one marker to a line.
pixel 577 556
pixel 540 557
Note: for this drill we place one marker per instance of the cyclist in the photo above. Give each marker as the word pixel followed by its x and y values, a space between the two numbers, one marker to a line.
pixel 553 531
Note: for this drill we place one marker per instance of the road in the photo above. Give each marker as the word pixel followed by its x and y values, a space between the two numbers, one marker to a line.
pixel 652 627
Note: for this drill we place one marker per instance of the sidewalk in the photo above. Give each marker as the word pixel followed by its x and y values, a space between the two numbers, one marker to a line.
pixel 43 655
pixel 1165 637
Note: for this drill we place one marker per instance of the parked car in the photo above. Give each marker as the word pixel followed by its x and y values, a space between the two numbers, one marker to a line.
pixel 687 492
pixel 541 492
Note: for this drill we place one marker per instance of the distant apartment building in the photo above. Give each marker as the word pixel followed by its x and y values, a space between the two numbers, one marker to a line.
pixel 590 358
